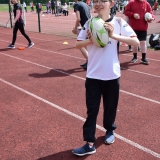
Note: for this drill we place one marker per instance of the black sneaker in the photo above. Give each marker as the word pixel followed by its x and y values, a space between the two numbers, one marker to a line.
pixel 144 61
pixel 134 60
pixel 11 46
pixel 30 45
pixel 85 67
pixel 82 65
pixel 84 150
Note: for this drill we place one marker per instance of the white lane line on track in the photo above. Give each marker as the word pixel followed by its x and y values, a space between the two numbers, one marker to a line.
pixel 152 75
pixel 129 93
pixel 46 40
pixel 82 119
pixel 74 45
pixel 84 59
pixel 49 51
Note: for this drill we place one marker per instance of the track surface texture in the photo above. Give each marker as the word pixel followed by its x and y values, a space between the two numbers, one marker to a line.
pixel 42 103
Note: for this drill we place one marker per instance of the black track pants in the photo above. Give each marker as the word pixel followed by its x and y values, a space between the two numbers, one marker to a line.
pixel 109 90
pixel 19 26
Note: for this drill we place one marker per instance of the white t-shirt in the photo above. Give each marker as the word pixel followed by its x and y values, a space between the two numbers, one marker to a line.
pixel 24 4
pixel 103 63
pixel 58 3
pixel 64 7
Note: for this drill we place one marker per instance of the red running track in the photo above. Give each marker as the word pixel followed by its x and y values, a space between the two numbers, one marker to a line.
pixel 43 103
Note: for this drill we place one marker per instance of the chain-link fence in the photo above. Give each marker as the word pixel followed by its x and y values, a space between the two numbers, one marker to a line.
pixel 5 12
pixel 41 19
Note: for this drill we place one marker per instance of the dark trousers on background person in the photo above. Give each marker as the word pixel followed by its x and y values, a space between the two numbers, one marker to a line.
pixel 65 12
pixel 20 26
pixel 53 10
pixel 109 90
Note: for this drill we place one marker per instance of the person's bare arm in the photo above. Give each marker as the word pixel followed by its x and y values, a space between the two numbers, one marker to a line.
pixel 78 19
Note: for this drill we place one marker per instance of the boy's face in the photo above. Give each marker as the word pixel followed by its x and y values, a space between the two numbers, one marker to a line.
pixel 102 6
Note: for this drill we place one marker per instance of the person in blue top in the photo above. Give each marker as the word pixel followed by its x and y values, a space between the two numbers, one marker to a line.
pixel 18 23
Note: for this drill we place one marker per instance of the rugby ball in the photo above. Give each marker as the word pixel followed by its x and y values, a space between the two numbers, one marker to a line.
pixel 99 34
pixel 147 16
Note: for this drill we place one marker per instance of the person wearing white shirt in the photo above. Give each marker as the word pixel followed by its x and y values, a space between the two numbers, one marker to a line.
pixel 58 3
pixel 65 9
pixel 103 75
pixel 25 7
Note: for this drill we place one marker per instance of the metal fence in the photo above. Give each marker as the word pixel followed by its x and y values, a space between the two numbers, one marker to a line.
pixel 40 20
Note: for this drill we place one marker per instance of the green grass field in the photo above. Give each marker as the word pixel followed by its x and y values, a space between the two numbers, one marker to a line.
pixel 5 8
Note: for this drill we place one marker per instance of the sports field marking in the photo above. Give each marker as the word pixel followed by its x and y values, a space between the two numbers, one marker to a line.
pixel 74 45
pixel 129 93
pixel 82 119
pixel 152 75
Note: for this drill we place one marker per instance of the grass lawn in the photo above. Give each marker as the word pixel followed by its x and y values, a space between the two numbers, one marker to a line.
pixel 5 8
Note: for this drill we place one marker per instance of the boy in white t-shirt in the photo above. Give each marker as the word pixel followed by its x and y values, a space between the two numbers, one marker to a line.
pixel 103 75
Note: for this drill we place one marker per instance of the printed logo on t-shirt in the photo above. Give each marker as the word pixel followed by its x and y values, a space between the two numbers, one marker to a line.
pixel 125 25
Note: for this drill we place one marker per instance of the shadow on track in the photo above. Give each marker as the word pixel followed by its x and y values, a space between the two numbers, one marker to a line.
pixel 56 73
pixel 5 49
pixel 68 155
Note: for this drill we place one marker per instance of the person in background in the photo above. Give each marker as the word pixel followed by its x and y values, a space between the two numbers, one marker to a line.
pixel 31 6
pixel 124 4
pixel 82 11
pixel 25 7
pixel 58 3
pixel 65 9
pixel 18 23
pixel 49 6
pixel 155 7
pixel 135 11
pixel 88 2
pixel 113 10
pixel 53 6
pixel 38 7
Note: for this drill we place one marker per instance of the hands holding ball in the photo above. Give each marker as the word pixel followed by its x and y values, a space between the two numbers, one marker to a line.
pixel 99 32
pixel 147 17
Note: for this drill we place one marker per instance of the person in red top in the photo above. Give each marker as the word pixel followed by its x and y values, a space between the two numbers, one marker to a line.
pixel 135 11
